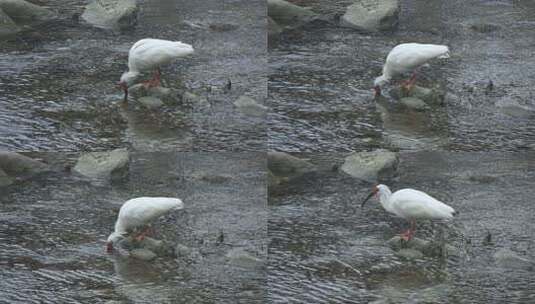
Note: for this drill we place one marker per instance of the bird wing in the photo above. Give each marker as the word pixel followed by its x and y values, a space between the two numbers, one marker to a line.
pixel 411 203
pixel 142 210
pixel 147 54
pixel 408 56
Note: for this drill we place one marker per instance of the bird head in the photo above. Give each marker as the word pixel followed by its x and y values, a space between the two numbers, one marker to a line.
pixel 127 79
pixel 375 190
pixel 112 239
pixel 378 83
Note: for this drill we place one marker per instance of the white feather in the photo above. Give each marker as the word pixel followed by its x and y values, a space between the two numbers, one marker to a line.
pixel 140 211
pixel 149 54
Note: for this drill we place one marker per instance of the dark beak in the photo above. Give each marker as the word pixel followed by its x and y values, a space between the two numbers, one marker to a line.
pixel 377 91
pixel 109 247
pixel 368 198
pixel 124 87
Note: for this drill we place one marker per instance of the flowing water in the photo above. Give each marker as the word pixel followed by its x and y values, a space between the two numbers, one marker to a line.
pixel 53 230
pixel 57 82
pixel 325 249
pixel 321 76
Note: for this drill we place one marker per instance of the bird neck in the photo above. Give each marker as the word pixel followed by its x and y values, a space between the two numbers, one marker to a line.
pixel 384 197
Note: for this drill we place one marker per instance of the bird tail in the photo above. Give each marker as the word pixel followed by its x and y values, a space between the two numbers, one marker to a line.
pixel 446 54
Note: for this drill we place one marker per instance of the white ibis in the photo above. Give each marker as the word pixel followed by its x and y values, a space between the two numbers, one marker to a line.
pixel 411 205
pixel 148 55
pixel 406 57
pixel 138 213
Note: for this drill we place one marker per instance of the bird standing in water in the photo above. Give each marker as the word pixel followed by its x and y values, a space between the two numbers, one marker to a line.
pixel 411 205
pixel 149 55
pixel 405 58
pixel 138 213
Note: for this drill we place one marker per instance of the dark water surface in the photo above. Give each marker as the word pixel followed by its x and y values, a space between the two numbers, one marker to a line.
pixel 321 76
pixel 325 249
pixel 53 230
pixel 57 82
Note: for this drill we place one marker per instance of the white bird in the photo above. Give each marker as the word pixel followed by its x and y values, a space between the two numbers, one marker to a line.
pixel 148 55
pixel 138 213
pixel 411 205
pixel 406 57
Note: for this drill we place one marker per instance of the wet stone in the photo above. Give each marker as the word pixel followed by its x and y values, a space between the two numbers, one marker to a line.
pixel 414 103
pixel 241 258
pixel 18 166
pixel 274 29
pixel 5 180
pixel 112 164
pixel 7 25
pixel 371 166
pixel 143 254
pixel 509 259
pixel 150 102
pixel 25 13
pixel 371 15
pixel 284 166
pixel 287 14
pixel 432 97
pixel 249 106
pixel 484 27
pixel 111 14
pixel 410 254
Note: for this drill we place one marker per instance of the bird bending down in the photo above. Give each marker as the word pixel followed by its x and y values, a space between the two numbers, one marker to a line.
pixel 148 55
pixel 411 205
pixel 138 213
pixel 407 57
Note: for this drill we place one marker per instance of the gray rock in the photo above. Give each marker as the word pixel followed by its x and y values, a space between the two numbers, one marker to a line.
pixel 25 13
pixel 371 15
pixel 150 102
pixel 5 180
pixel 414 103
pixel 7 25
pixel 284 166
pixel 17 166
pixel 192 98
pixel 241 258
pixel 371 166
pixel 111 164
pixel 273 181
pixel 509 259
pixel 249 106
pixel 410 254
pixel 274 29
pixel 143 254
pixel 111 14
pixel 427 248
pixel 287 14
pixel 432 97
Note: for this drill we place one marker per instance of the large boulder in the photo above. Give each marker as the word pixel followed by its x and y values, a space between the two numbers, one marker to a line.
pixel 110 164
pixel 283 167
pixel 509 259
pixel 111 14
pixel 14 166
pixel 25 13
pixel 7 25
pixel 371 15
pixel 371 166
pixel 250 107
pixel 287 14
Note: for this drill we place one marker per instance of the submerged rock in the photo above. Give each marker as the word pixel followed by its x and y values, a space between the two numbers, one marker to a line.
pixel 111 14
pixel 427 248
pixel 287 14
pixel 192 98
pixel 371 15
pixel 14 166
pixel 484 27
pixel 143 254
pixel 509 259
pixel 432 97
pixel 150 102
pixel 371 166
pixel 283 166
pixel 241 258
pixel 110 164
pixel 410 254
pixel 274 29
pixel 414 103
pixel 7 25
pixel 25 13
pixel 249 106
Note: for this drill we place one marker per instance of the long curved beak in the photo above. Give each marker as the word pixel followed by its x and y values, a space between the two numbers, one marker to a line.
pixel 367 198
